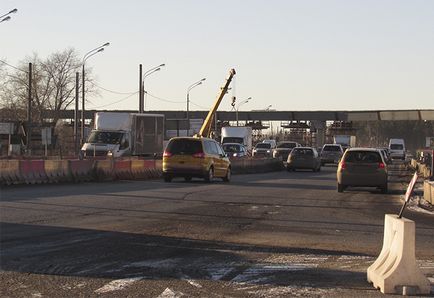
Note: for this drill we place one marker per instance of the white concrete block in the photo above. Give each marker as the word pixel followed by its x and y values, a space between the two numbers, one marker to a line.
pixel 395 271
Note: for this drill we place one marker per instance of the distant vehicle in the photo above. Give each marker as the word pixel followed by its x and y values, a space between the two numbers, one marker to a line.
pixel 262 150
pixel 195 157
pixel 235 150
pixel 397 148
pixel 386 155
pixel 272 142
pixel 331 153
pixel 283 149
pixel 362 167
pixel 125 134
pixel 346 141
pixel 304 158
pixel 237 134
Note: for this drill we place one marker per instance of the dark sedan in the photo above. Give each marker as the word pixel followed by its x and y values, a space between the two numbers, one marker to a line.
pixel 304 158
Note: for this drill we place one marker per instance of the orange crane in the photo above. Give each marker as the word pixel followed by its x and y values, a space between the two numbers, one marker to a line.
pixel 205 130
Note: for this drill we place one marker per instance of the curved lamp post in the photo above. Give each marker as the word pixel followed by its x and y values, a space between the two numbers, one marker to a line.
pixel 6 16
pixel 144 93
pixel 85 57
pixel 188 102
pixel 238 106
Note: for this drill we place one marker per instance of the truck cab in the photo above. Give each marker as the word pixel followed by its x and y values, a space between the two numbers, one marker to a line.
pixel 104 142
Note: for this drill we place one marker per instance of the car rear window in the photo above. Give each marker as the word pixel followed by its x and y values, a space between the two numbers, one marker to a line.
pixel 297 151
pixel 363 157
pixel 331 148
pixel 286 145
pixel 263 145
pixel 184 146
pixel 396 147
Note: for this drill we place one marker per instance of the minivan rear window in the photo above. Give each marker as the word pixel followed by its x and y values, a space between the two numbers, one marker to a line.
pixel 331 148
pixel 185 146
pixel 363 157
pixel 297 151
pixel 396 147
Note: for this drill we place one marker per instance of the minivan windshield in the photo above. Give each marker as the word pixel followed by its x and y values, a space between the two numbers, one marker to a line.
pixel 184 146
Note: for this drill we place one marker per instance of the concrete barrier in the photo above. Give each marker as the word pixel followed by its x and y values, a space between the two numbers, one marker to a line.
pixel 82 170
pixel 10 172
pixel 122 169
pixel 104 169
pixel 395 271
pixel 428 191
pixel 33 171
pixel 57 171
pixel 256 165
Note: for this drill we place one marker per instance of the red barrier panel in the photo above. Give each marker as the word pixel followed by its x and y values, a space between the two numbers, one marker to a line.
pixel 82 170
pixel 122 169
pixel 33 171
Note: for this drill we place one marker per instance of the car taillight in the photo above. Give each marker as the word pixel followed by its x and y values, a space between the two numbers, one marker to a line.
pixel 343 165
pixel 167 154
pixel 381 165
pixel 199 155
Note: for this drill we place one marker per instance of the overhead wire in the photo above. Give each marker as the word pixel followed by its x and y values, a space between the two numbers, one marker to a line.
pixel 117 101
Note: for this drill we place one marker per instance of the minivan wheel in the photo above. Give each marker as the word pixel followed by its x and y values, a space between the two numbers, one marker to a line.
pixel 227 178
pixel 340 187
pixel 210 175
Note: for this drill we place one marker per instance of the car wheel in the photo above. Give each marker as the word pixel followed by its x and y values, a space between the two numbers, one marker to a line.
pixel 210 175
pixel 340 187
pixel 384 188
pixel 167 179
pixel 227 178
pixel 188 179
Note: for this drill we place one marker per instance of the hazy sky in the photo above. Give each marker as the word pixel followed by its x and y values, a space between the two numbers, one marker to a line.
pixel 294 55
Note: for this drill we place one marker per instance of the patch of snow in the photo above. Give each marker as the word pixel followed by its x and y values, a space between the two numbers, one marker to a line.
pixel 168 293
pixel 117 284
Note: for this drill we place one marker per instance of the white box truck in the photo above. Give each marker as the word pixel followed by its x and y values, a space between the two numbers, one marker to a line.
pixel 125 134
pixel 237 134
pixel 346 141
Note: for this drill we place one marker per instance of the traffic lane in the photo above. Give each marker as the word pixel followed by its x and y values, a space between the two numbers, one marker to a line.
pixel 288 208
pixel 218 236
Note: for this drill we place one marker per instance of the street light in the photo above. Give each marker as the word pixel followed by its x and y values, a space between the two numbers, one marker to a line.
pixel 188 102
pixel 146 74
pixel 6 16
pixel 238 106
pixel 85 57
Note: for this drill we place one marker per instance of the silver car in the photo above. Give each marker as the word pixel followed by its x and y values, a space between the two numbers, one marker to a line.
pixel 304 158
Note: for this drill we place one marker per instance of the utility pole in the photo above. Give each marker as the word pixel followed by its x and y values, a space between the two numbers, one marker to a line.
pixel 29 112
pixel 140 89
pixel 77 99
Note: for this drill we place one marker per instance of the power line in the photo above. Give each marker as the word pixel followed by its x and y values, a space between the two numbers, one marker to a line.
pixel 13 66
pixel 115 92
pixel 163 99
pixel 112 103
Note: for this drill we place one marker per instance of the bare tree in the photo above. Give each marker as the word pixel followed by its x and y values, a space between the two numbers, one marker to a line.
pixel 53 85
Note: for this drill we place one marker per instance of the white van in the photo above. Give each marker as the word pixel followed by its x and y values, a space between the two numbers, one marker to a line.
pixel 397 148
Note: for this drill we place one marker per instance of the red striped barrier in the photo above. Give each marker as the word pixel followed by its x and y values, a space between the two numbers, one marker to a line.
pixel 82 170
pixel 104 169
pixel 33 171
pixel 10 172
pixel 122 169
pixel 57 171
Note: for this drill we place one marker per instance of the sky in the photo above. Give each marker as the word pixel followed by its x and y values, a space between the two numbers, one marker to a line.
pixel 293 55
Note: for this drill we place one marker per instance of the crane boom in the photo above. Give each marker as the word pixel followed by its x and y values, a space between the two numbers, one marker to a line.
pixel 205 130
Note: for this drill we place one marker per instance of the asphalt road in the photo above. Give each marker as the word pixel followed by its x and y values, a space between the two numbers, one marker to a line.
pixel 264 235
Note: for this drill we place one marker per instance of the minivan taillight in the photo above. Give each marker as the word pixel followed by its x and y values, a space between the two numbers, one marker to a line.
pixel 343 165
pixel 381 165
pixel 167 154
pixel 199 155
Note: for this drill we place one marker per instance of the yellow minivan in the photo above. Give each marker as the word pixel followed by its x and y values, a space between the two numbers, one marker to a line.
pixel 190 157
